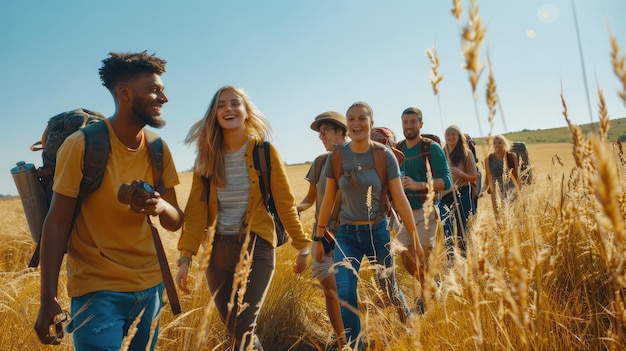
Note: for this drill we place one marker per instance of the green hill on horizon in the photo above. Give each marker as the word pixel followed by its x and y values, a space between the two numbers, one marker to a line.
pixel 617 131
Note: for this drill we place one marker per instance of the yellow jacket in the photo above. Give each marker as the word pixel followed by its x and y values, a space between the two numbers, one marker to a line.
pixel 199 215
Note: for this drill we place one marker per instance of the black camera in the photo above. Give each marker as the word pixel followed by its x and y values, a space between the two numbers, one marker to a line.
pixel 135 193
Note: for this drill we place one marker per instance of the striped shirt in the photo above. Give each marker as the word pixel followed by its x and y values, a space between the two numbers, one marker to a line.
pixel 233 199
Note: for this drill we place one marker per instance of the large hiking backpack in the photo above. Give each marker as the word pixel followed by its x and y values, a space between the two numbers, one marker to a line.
pixel 387 137
pixel 97 146
pixel 476 187
pixel 525 170
pixel 262 164
pixel 58 128
pixel 472 146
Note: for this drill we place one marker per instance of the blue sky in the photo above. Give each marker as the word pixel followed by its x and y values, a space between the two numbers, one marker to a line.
pixel 297 59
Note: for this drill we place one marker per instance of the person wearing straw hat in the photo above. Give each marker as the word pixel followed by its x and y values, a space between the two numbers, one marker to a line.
pixel 332 129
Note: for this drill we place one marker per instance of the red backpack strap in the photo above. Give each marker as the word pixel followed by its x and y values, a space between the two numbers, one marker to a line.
pixel 400 145
pixel 425 151
pixel 335 162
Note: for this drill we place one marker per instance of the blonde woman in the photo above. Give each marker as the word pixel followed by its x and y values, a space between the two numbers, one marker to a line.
pixel 501 172
pixel 363 230
pixel 457 205
pixel 234 207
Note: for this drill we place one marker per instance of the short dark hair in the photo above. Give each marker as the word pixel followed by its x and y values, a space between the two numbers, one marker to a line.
pixel 413 111
pixel 120 67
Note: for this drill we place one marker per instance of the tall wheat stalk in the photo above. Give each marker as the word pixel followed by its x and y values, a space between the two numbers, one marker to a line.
pixel 435 78
pixel 619 67
pixel 604 116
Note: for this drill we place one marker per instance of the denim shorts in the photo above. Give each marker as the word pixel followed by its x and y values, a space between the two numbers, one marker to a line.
pixel 101 319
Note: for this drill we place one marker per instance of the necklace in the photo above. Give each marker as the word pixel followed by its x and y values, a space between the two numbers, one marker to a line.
pixel 358 163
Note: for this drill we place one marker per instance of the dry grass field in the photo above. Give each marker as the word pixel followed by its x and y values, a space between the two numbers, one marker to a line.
pixel 549 274
pixel 540 280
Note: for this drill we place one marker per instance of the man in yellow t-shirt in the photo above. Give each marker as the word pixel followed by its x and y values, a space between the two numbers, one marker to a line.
pixel 113 274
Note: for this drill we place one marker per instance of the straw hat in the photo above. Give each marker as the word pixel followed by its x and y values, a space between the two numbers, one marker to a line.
pixel 332 117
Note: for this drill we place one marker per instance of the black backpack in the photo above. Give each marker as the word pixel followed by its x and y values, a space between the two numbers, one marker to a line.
pixel 525 170
pixel 97 147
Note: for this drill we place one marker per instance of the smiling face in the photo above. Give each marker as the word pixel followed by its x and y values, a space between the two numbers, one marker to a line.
pixel 411 125
pixel 359 123
pixel 147 98
pixel 231 112
pixel 330 135
pixel 452 138
pixel 499 145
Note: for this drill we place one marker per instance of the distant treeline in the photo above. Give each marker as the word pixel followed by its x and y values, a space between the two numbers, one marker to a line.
pixel 617 131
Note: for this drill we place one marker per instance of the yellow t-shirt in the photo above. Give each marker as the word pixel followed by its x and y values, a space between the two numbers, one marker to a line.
pixel 110 247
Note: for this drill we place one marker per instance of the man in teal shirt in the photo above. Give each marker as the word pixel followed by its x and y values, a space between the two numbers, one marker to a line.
pixel 417 152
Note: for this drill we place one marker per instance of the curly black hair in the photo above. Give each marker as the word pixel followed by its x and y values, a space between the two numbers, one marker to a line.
pixel 123 66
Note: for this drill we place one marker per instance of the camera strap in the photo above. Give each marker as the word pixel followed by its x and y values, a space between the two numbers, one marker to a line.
pixel 170 288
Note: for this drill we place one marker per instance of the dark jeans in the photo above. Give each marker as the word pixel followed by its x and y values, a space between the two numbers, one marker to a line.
pixel 454 216
pixel 220 275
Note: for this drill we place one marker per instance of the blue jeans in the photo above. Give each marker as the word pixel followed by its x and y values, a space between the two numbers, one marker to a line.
pixel 455 215
pixel 101 319
pixel 354 241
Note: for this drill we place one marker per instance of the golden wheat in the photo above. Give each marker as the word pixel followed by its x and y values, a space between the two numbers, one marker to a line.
pixel 435 77
pixel 619 67
pixel 472 40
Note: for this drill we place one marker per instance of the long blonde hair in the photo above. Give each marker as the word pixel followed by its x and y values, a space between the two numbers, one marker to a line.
pixel 209 136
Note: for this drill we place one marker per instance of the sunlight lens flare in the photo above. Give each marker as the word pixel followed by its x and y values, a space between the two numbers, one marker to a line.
pixel 548 13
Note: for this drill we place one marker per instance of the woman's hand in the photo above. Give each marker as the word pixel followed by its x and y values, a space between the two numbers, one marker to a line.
pixel 301 263
pixel 181 276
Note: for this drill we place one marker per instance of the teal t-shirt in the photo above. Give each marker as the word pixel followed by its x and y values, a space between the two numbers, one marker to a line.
pixel 415 167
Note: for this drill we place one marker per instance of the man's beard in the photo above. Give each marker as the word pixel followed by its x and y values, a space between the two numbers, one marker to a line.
pixel 152 121
pixel 411 136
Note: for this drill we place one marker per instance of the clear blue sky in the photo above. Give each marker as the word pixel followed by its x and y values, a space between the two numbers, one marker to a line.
pixel 297 59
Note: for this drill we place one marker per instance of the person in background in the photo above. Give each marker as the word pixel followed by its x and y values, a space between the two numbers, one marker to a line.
pixel 476 186
pixel 113 273
pixel 332 128
pixel 415 183
pixel 456 205
pixel 235 212
pixel 363 228
pixel 501 173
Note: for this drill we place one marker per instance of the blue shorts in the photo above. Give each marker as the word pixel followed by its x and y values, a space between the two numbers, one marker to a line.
pixel 101 319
